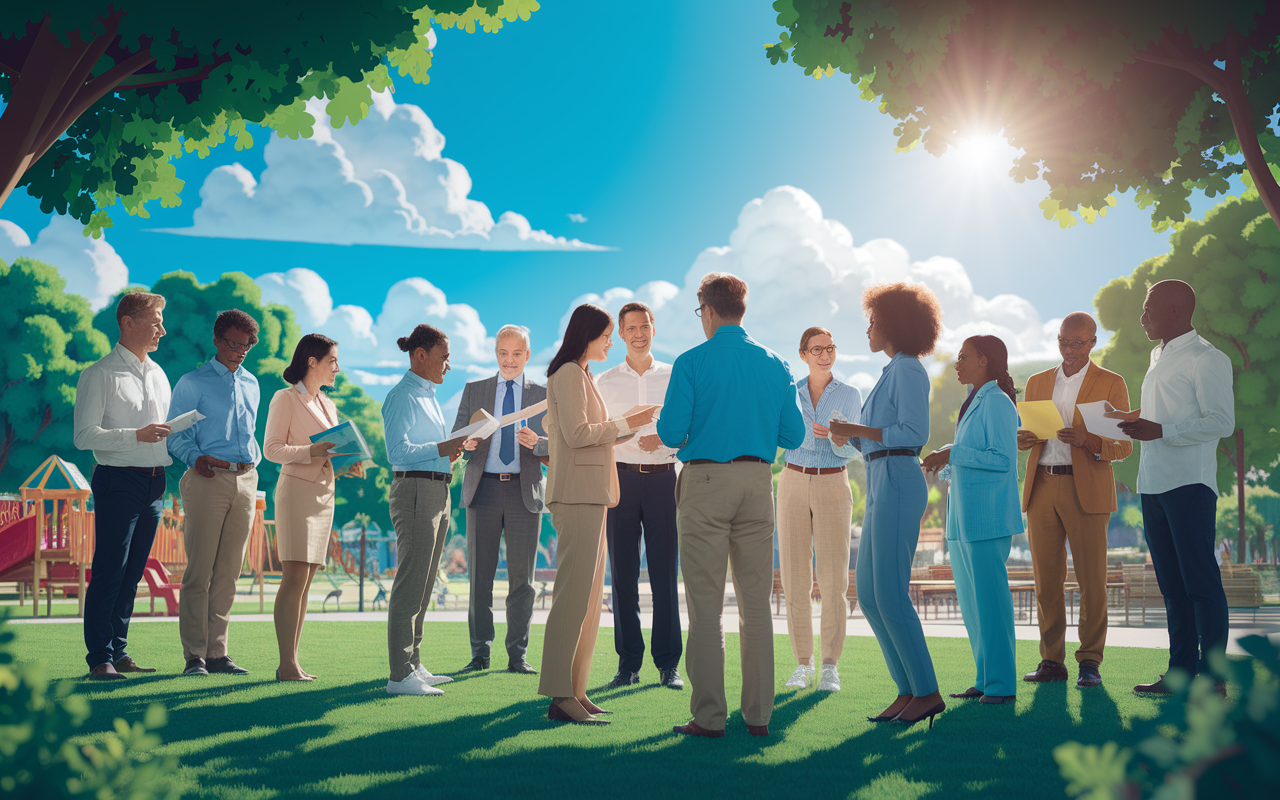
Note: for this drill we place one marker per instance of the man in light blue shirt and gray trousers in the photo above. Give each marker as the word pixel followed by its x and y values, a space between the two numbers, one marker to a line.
pixel 730 404
pixel 421 472
pixel 219 490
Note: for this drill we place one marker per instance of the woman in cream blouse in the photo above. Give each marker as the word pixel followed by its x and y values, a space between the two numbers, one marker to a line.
pixel 582 482
pixel 305 490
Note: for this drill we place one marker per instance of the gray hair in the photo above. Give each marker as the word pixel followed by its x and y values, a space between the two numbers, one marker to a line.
pixel 513 330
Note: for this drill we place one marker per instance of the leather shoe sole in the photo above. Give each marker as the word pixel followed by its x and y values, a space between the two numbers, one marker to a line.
pixel 692 728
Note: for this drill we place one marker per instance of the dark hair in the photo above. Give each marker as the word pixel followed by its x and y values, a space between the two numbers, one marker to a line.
pixel 585 326
pixel 313 345
pixel 997 355
pixel 724 292
pixel 809 333
pixel 235 318
pixel 424 336
pixel 634 305
pixel 908 314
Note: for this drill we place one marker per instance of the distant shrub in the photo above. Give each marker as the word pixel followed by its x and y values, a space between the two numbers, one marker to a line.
pixel 38 758
pixel 1201 745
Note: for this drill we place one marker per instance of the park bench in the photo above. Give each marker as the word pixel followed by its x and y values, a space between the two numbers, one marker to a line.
pixel 1243 589
pixel 851 594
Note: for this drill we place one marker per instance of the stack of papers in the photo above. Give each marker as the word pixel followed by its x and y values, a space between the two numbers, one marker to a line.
pixel 348 445
pixel 1041 417
pixel 1096 421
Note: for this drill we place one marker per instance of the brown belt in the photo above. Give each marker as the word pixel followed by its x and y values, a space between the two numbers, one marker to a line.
pixel 646 467
pixel 1057 469
pixel 815 470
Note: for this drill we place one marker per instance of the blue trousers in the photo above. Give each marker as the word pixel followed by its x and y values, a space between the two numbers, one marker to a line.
pixel 646 509
pixel 896 499
pixel 982 589
pixel 126 511
pixel 1179 527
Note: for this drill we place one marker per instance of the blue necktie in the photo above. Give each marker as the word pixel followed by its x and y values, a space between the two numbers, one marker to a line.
pixel 507 450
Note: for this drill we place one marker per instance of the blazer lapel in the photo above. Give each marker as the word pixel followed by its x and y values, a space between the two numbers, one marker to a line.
pixel 325 424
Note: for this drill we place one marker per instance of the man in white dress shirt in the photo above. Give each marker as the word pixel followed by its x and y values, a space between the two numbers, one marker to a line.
pixel 646 507
pixel 122 403
pixel 1187 406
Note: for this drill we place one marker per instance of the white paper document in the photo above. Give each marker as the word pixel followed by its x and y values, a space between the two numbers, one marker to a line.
pixel 477 430
pixel 523 414
pixel 1097 423
pixel 184 421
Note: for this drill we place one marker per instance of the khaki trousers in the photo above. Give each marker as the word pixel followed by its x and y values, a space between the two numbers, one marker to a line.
pixel 217 518
pixel 574 620
pixel 815 515
pixel 1054 518
pixel 724 513
pixel 420 515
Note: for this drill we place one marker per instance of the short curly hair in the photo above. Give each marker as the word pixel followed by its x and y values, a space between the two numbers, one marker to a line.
pixel 909 315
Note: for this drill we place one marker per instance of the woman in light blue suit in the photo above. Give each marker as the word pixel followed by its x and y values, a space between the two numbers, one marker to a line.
pixel 983 512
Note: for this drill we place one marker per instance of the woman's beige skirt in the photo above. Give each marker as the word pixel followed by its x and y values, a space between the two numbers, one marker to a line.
pixel 304 519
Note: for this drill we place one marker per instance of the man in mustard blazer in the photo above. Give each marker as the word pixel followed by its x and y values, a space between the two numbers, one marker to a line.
pixel 1068 495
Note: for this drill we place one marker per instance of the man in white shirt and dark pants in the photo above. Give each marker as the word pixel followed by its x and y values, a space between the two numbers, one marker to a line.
pixel 647 502
pixel 1187 406
pixel 122 403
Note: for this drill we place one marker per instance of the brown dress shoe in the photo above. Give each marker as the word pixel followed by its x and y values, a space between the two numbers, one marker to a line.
pixel 127 664
pixel 1089 675
pixel 692 728
pixel 1158 687
pixel 758 730
pixel 997 699
pixel 1047 672
pixel 105 672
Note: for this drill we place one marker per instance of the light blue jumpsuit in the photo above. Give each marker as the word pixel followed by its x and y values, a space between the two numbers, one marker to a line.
pixel 896 499
pixel 983 516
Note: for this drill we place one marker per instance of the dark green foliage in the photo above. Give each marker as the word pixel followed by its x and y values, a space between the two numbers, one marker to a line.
pixel 1232 259
pixel 40 758
pixel 49 338
pixel 1103 97
pixel 1201 745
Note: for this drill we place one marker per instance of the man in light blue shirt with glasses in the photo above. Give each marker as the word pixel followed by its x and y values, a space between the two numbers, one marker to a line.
pixel 219 489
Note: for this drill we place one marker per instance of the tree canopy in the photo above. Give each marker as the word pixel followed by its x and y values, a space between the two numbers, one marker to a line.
pixel 1101 97
pixel 100 99
pixel 49 338
pixel 1232 259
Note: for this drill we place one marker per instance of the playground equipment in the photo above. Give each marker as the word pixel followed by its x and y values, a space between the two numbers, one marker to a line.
pixel 47 529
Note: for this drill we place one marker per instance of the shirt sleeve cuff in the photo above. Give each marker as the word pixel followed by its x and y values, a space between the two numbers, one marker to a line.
pixel 623 428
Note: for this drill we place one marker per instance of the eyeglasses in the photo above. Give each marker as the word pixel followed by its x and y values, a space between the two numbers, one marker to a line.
pixel 698 311
pixel 817 351
pixel 1075 344
pixel 236 347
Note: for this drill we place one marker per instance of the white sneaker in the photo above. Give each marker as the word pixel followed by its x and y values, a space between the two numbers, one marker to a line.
pixel 802 678
pixel 830 679
pixel 413 684
pixel 432 680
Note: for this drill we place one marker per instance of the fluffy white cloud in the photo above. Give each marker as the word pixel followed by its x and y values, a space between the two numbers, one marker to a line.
pixel 804 269
pixel 577 218
pixel 384 181
pixel 91 267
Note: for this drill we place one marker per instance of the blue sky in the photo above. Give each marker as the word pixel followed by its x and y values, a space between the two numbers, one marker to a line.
pixel 659 123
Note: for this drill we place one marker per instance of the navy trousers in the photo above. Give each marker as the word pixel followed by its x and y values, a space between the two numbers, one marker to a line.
pixel 646 509
pixel 1179 526
pixel 126 511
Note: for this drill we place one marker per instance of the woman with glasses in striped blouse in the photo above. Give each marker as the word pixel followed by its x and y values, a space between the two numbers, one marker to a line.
pixel 815 510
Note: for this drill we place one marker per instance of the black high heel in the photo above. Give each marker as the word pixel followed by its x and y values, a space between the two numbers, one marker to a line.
pixel 931 713
pixel 888 717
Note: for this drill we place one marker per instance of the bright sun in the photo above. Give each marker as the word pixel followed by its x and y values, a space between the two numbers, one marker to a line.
pixel 985 153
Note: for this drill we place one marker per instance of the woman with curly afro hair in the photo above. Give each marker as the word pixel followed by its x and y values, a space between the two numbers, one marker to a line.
pixel 906 321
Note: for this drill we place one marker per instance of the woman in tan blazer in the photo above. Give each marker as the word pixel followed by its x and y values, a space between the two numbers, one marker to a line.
pixel 305 491
pixel 582 482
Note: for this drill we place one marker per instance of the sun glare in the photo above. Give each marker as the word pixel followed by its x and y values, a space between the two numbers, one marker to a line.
pixel 987 153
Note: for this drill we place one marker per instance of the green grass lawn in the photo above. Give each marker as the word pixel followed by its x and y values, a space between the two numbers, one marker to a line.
pixel 252 738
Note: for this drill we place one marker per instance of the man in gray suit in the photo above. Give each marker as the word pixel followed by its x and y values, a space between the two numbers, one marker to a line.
pixel 503 490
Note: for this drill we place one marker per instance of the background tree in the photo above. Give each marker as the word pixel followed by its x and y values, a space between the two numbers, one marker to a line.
pixel 1102 97
pixel 100 98
pixel 49 338
pixel 1232 258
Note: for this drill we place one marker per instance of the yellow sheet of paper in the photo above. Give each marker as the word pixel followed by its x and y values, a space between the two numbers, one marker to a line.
pixel 1041 417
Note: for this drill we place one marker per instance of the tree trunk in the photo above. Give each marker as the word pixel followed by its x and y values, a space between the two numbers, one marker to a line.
pixel 1240 534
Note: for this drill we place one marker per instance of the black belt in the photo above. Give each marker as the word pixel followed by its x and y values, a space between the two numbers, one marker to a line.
pixel 901 451
pixel 154 472
pixel 1057 469
pixel 419 473
pixel 646 468
pixel 737 460
pixel 503 476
